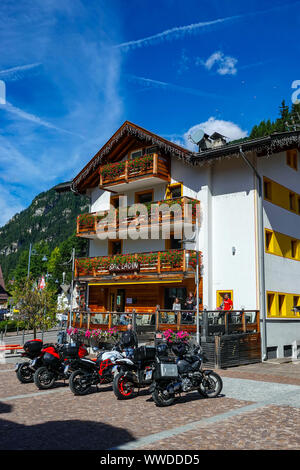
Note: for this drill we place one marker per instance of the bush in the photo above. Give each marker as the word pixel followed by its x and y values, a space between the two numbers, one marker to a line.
pixel 12 325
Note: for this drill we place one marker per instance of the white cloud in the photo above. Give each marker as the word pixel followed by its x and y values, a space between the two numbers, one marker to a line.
pixel 226 64
pixel 9 205
pixel 227 128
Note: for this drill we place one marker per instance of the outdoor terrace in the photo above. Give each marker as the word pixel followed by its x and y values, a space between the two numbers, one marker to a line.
pixel 153 167
pixel 176 212
pixel 141 265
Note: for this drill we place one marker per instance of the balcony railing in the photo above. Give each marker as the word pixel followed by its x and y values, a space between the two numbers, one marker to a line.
pixel 152 165
pixel 159 262
pixel 183 209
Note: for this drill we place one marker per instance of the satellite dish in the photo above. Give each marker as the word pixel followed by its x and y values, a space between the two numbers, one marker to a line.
pixel 197 136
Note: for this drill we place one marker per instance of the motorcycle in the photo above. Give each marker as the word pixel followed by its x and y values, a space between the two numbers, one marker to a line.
pixel 33 351
pixel 183 373
pixel 58 362
pixel 134 373
pixel 97 371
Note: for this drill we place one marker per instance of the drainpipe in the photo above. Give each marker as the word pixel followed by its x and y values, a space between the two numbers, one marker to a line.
pixel 261 256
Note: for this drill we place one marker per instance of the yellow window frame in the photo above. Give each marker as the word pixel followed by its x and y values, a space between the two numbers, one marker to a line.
pixel 220 294
pixel 170 186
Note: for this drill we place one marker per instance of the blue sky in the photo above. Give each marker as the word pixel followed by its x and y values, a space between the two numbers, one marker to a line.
pixel 74 71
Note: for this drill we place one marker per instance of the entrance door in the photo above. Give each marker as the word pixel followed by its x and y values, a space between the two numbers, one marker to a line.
pixel 117 300
pixel 171 293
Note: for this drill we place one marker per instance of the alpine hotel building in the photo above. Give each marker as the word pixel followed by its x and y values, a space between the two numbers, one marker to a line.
pixel 246 197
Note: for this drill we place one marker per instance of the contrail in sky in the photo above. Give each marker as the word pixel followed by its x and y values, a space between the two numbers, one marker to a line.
pixel 166 85
pixel 194 28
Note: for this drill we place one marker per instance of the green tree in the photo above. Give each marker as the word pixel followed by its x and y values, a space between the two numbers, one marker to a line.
pixel 37 308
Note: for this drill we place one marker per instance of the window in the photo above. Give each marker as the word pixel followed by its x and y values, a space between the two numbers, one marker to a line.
pixel 144 196
pixel 145 151
pixel 269 240
pixel 281 304
pixel 115 201
pixel 292 201
pixel 294 248
pixel 271 304
pixel 220 296
pixel 173 243
pixel 114 247
pixel 268 189
pixel 287 350
pixel 292 158
pixel 136 154
pixel 174 190
pixel 296 300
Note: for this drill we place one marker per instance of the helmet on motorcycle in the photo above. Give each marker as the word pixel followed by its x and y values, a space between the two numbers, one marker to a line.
pixel 161 349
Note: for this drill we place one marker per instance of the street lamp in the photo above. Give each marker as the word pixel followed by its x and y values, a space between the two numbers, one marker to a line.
pixel 32 252
pixel 71 260
pixel 187 255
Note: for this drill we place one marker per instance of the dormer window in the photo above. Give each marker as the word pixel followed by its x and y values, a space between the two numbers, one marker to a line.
pixel 136 154
pixel 140 152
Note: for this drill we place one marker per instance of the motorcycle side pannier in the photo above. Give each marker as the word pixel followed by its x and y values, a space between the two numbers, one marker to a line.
pixel 166 369
pixel 33 346
pixel 144 353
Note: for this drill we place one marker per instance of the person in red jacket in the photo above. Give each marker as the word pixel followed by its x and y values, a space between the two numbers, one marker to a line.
pixel 227 303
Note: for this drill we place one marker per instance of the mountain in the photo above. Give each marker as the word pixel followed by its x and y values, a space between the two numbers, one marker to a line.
pixel 50 218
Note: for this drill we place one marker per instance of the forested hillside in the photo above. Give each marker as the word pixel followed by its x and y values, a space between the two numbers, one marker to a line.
pixel 50 219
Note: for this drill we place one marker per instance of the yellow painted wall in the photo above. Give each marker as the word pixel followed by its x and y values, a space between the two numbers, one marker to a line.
pixel 281 245
pixel 280 195
pixel 273 305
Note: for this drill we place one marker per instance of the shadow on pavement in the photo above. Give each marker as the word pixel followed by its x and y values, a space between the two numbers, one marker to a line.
pixel 60 435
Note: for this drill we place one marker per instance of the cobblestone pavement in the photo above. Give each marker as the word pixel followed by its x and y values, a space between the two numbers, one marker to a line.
pixel 254 411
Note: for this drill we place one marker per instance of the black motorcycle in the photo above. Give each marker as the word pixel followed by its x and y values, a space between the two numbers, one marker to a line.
pixel 58 363
pixel 134 373
pixel 89 372
pixel 32 351
pixel 184 373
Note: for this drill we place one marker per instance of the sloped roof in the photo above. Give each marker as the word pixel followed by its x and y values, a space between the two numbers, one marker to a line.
pixel 263 146
pixel 130 129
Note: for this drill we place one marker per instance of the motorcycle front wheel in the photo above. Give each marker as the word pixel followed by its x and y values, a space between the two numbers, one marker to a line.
pixel 43 378
pixel 79 383
pixel 211 386
pixel 162 400
pixel 25 374
pixel 122 387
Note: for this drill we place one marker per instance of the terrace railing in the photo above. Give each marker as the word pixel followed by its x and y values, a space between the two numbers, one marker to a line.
pixel 211 323
pixel 123 172
pixel 157 262
pixel 182 209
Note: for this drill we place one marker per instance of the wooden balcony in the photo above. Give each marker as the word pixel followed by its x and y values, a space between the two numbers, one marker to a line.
pixel 152 168
pixel 183 210
pixel 137 266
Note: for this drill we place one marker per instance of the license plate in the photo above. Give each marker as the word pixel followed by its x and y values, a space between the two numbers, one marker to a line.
pixel 33 363
pixel 149 374
pixel 66 369
pixel 114 369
